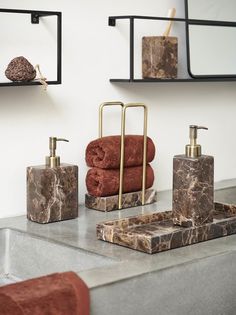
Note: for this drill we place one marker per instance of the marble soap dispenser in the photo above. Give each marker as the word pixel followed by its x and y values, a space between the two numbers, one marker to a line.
pixel 52 189
pixel 193 185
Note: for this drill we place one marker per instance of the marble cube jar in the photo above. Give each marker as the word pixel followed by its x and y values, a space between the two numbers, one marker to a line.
pixel 193 190
pixel 159 57
pixel 52 193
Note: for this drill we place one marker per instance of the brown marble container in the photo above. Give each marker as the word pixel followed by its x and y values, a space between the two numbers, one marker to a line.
pixel 193 190
pixel 154 232
pixel 159 57
pixel 52 193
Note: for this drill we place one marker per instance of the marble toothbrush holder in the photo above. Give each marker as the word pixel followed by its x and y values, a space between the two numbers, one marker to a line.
pixel 160 55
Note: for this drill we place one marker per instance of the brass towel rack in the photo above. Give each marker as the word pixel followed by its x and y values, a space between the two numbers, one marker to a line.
pixel 124 108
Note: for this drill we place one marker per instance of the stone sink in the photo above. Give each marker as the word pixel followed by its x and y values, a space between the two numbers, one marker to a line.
pixel 24 256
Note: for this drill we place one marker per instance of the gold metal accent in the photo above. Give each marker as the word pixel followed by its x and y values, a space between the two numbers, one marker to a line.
pixel 101 108
pixel 53 160
pixel 171 14
pixel 122 149
pixel 122 154
pixel 194 150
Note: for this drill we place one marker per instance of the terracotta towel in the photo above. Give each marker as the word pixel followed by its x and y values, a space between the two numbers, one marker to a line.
pixel 101 183
pixel 8 306
pixel 56 294
pixel 105 152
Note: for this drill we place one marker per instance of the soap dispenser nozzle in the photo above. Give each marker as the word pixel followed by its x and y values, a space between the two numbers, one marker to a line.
pixel 53 160
pixel 194 150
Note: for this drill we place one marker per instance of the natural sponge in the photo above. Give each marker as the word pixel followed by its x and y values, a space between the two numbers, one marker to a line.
pixel 20 69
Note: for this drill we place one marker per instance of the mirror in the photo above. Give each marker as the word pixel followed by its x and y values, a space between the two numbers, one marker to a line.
pixel 212 45
pixel 218 10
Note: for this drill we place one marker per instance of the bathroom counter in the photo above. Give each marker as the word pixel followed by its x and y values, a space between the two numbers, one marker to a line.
pixel 137 275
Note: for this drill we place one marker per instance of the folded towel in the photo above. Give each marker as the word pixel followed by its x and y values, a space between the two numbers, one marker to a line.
pixel 101 183
pixel 8 306
pixel 56 294
pixel 105 152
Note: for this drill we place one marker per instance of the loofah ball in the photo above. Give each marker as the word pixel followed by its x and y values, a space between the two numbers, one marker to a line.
pixel 20 69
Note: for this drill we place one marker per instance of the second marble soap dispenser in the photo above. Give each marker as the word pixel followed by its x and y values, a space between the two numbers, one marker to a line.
pixel 193 185
pixel 52 189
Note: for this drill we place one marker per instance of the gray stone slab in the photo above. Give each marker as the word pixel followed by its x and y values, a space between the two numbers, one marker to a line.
pixel 171 282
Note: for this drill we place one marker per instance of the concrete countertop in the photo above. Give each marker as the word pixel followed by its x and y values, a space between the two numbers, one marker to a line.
pixel 81 233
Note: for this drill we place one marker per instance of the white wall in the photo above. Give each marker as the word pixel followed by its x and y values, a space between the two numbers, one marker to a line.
pixel 93 53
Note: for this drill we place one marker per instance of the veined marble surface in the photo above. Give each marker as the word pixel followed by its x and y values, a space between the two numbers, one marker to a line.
pixel 193 190
pixel 129 200
pixel 52 193
pixel 81 233
pixel 160 57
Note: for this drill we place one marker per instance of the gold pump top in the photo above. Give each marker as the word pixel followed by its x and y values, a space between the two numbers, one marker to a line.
pixel 194 150
pixel 53 160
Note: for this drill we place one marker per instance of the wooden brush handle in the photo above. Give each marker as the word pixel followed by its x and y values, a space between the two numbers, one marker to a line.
pixel 171 14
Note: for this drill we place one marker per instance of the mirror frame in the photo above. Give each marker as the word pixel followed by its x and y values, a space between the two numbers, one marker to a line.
pixel 204 23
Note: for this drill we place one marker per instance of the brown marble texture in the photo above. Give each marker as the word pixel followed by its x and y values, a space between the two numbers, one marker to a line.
pixel 52 193
pixel 159 57
pixel 129 200
pixel 193 190
pixel 155 232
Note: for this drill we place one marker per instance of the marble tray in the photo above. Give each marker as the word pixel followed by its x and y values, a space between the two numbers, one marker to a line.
pixel 153 233
pixel 129 200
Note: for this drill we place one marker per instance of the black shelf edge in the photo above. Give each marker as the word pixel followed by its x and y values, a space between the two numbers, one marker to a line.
pixel 42 13
pixel 121 80
pixel 112 20
pixel 145 17
pixel 171 80
pixel 28 83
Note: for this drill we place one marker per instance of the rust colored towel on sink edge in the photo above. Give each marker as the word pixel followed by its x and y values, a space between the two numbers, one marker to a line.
pixel 56 294
pixel 105 152
pixel 102 183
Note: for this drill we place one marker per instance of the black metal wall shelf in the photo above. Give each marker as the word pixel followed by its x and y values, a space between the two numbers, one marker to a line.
pixel 112 22
pixel 170 80
pixel 35 19
pixel 25 83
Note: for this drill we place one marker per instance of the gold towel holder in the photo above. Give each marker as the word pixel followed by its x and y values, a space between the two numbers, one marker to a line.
pixel 124 108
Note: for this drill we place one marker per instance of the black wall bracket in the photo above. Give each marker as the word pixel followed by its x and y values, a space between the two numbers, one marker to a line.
pixel 35 16
pixel 111 21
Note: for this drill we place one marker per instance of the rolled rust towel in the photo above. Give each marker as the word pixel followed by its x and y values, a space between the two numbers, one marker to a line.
pixel 8 306
pixel 105 152
pixel 56 294
pixel 102 183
